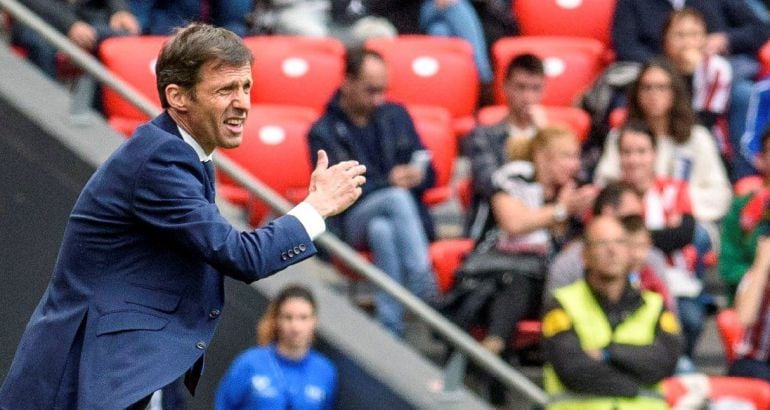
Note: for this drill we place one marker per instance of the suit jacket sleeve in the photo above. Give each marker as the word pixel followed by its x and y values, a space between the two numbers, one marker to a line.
pixel 169 199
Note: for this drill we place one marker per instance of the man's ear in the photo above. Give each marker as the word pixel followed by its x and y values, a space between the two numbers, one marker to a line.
pixel 177 97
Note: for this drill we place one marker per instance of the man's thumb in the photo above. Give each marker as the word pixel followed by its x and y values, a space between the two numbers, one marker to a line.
pixel 323 160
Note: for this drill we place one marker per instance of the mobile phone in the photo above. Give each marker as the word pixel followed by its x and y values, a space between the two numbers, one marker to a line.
pixel 421 159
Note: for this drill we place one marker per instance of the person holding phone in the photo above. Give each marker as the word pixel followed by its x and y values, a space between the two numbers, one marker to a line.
pixel 390 219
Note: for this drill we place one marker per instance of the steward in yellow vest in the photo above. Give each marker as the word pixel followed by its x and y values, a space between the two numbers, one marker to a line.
pixel 607 345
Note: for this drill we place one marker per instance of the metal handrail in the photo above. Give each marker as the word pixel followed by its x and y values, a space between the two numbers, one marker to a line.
pixel 457 337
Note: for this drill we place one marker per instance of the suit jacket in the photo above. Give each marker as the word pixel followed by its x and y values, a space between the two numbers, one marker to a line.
pixel 137 291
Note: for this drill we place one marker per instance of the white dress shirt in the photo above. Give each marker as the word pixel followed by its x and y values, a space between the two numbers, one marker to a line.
pixel 308 216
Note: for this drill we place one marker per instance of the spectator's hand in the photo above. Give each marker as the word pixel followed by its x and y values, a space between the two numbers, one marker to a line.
pixel 674 220
pixel 717 43
pixel 538 116
pixel 124 21
pixel 405 176
pixel 333 189
pixel 595 354
pixel 577 201
pixel 82 34
pixel 689 60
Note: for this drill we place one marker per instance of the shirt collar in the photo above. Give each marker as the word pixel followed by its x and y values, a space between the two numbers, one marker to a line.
pixel 195 146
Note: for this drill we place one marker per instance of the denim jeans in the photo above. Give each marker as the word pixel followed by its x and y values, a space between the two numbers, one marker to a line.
pixel 745 69
pixel 692 312
pixel 458 20
pixel 387 222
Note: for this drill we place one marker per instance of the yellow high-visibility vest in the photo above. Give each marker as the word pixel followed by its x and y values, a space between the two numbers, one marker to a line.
pixel 595 333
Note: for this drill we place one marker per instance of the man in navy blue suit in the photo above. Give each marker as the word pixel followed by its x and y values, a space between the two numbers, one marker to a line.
pixel 137 289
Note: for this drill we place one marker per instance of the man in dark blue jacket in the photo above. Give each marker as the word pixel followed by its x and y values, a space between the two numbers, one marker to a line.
pixel 137 289
pixel 360 125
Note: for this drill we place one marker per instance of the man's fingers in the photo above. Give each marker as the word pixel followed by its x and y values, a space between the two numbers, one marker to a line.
pixel 323 161
pixel 359 180
pixel 356 170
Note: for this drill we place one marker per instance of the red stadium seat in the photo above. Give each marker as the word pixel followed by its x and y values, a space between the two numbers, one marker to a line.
pixel 738 391
pixel 576 119
pixel 571 64
pixel 747 185
pixel 296 70
pixel 274 150
pixel 572 18
pixel 433 125
pixel 427 70
pixel 446 256
pixel 133 60
pixel 730 331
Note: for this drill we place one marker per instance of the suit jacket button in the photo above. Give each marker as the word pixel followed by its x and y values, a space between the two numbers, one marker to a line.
pixel 284 256
pixel 297 250
pixel 302 247
pixel 214 313
pixel 201 345
pixel 290 253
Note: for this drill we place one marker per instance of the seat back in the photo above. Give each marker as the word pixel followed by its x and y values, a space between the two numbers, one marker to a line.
pixel 275 150
pixel 730 332
pixel 428 70
pixel 296 70
pixel 132 59
pixel 576 119
pixel 559 17
pixel 434 126
pixel 571 64
pixel 730 392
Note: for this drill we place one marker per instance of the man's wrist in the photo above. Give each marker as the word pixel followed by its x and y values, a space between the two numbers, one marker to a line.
pixel 310 218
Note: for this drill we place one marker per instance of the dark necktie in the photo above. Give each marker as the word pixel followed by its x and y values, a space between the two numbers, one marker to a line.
pixel 209 167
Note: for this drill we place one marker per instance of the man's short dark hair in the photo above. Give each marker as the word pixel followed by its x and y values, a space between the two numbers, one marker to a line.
pixel 638 126
pixel 611 196
pixel 525 62
pixel 191 47
pixel 354 60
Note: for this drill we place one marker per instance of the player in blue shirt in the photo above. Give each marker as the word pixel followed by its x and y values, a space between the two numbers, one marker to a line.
pixel 284 372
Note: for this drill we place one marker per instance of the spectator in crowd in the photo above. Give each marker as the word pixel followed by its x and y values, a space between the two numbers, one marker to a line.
pixel 457 18
pixel 389 219
pixel 735 31
pixel 667 209
pixel 752 304
pixel 606 344
pixel 486 146
pixel 85 23
pixel 685 150
pixel 284 372
pixel 533 202
pixel 617 199
pixel 644 275
pixel 160 17
pixel 708 76
pixel 743 225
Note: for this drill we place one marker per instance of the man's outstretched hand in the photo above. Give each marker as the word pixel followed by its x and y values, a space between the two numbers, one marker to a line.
pixel 333 189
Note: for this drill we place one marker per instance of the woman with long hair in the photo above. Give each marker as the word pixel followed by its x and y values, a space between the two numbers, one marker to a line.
pixel 686 150
pixel 284 372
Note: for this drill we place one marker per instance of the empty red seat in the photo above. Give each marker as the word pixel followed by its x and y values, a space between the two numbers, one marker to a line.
pixel 295 70
pixel 446 256
pixel 730 332
pixel 576 119
pixel 574 18
pixel 274 150
pixel 132 59
pixel 434 126
pixel 763 55
pixel 571 64
pixel 428 70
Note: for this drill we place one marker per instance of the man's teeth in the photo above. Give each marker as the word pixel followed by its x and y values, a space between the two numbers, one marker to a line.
pixel 234 121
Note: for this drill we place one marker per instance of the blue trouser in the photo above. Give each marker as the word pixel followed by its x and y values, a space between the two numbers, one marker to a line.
pixel 387 222
pixel 745 69
pixel 458 20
